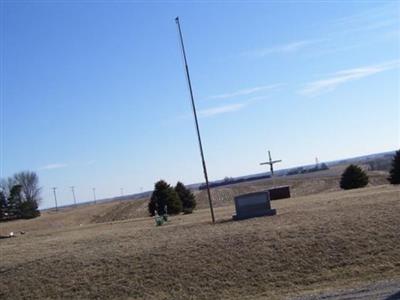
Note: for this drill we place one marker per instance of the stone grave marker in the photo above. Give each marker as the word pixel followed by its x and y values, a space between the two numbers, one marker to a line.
pixel 279 192
pixel 253 205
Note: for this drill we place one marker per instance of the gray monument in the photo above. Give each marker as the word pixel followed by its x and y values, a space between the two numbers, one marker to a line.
pixel 253 205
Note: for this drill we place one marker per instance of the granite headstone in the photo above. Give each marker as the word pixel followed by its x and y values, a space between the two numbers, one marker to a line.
pixel 253 205
pixel 280 192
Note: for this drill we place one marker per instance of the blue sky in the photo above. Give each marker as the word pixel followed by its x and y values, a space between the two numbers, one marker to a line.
pixel 93 93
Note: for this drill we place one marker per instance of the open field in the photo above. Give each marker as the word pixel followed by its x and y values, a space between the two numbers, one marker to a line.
pixel 301 185
pixel 331 239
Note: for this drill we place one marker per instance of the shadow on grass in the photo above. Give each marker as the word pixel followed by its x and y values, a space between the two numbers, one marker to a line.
pixel 229 220
pixel 226 220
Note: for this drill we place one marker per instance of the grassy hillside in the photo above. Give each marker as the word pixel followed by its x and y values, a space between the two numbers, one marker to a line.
pixel 301 185
pixel 328 239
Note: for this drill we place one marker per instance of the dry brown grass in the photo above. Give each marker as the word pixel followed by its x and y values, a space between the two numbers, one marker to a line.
pixel 300 185
pixel 316 241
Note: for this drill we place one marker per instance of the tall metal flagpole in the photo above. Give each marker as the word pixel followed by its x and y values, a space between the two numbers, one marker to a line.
pixel 195 118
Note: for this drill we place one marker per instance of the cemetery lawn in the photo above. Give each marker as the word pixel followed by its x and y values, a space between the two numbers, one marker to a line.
pixel 316 242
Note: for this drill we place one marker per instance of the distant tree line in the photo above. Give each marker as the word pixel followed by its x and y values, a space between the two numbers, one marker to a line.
pixel 305 170
pixel 230 180
pixel 380 164
pixel 20 196
pixel 166 199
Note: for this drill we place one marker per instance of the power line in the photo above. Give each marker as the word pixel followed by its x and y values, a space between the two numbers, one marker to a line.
pixel 55 197
pixel 195 118
pixel 73 194
pixel 94 195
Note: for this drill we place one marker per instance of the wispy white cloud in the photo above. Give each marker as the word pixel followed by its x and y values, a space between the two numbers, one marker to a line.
pixel 284 48
pixel 379 17
pixel 245 92
pixel 329 84
pixel 230 107
pixel 53 166
pixel 364 27
pixel 222 109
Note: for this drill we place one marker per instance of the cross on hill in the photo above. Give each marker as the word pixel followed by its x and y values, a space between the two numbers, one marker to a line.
pixel 271 163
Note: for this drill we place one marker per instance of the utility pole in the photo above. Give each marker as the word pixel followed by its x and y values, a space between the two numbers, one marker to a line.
pixel 195 119
pixel 94 195
pixel 271 165
pixel 55 197
pixel 73 194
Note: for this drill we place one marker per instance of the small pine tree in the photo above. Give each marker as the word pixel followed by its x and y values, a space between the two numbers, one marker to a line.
pixel 187 198
pixel 394 177
pixel 15 200
pixel 152 207
pixel 353 177
pixel 174 203
pixel 3 205
pixel 29 209
pixel 164 197
pixel 19 206
pixel 159 197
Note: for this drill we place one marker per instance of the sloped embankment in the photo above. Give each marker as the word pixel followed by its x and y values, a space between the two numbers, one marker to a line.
pixel 300 185
pixel 123 211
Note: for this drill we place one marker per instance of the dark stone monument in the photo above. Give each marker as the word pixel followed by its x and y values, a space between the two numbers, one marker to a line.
pixel 280 192
pixel 253 205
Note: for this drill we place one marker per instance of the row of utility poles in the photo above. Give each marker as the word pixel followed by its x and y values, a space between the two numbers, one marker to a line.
pixel 74 197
